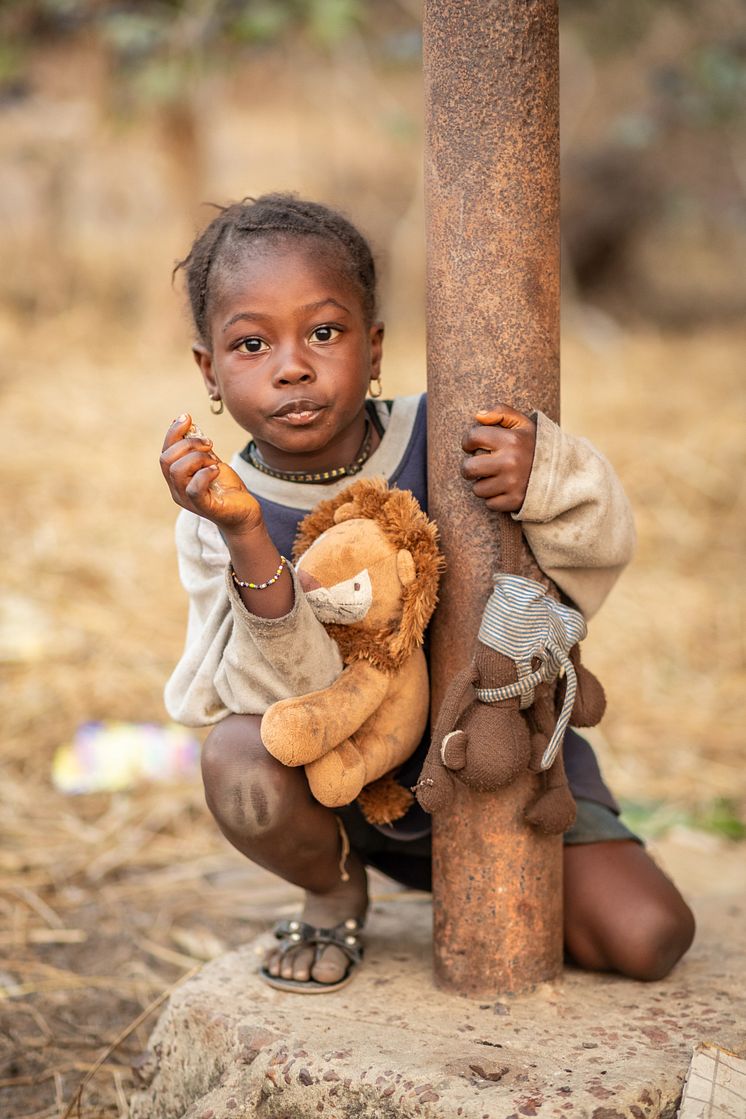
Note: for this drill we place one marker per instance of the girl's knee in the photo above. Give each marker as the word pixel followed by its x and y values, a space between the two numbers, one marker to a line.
pixel 242 781
pixel 230 747
pixel 654 944
pixel 231 744
pixel 622 913
pixel 644 946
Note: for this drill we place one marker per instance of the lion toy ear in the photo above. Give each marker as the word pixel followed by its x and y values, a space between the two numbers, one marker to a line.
pixel 405 568
pixel 346 512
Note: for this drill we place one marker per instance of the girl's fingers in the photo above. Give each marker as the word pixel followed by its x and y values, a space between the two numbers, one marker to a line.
pixel 499 495
pixel 483 438
pixel 199 483
pixel 499 486
pixel 502 415
pixel 490 439
pixel 177 430
pixel 183 430
pixel 502 503
pixel 500 428
pixel 502 486
pixel 183 448
pixel 481 466
pixel 182 469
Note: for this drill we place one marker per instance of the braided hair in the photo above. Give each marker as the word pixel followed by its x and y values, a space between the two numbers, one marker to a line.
pixel 277 214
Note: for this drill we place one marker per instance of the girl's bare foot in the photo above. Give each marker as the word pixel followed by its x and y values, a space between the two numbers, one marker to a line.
pixel 327 964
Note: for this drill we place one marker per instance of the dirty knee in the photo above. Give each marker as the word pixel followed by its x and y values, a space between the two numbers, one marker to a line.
pixel 240 779
pixel 246 805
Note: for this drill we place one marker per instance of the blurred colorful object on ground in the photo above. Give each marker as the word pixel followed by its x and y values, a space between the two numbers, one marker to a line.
pixel 108 756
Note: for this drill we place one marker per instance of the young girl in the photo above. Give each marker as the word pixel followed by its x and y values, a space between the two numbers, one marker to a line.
pixel 283 298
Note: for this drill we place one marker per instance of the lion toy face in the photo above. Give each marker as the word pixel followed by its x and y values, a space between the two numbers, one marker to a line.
pixel 353 574
pixel 375 553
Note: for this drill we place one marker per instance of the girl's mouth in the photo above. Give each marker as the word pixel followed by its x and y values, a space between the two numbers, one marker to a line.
pixel 299 412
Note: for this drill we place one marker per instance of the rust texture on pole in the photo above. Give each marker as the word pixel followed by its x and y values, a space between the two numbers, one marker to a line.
pixel 492 206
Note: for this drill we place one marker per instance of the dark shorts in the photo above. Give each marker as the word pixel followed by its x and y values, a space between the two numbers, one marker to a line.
pixel 408 860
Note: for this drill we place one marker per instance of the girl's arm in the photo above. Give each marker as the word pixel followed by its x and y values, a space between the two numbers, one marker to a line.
pixel 576 517
pixel 575 514
pixel 235 661
pixel 202 484
pixel 245 648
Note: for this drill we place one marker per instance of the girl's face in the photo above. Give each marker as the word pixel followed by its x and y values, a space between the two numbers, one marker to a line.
pixel 292 355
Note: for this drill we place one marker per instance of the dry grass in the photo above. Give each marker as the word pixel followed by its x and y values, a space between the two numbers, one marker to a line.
pixel 106 902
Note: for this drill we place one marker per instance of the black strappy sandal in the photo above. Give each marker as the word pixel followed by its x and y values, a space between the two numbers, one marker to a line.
pixel 295 934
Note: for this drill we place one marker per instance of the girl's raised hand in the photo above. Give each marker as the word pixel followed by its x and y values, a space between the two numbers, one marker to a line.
pixel 499 455
pixel 200 482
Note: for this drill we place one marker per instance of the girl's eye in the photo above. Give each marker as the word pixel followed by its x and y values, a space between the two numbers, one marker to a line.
pixel 252 345
pixel 324 333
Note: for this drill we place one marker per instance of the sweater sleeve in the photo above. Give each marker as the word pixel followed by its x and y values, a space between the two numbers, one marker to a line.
pixel 576 517
pixel 235 662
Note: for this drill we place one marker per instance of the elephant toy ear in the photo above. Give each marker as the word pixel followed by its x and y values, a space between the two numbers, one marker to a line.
pixel 346 512
pixel 405 567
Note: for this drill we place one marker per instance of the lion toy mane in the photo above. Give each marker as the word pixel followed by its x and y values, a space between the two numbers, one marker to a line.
pixel 374 546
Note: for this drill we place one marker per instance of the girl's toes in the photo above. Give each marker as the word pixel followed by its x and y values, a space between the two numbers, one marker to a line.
pixel 272 963
pixel 330 966
pixel 297 965
pixel 302 964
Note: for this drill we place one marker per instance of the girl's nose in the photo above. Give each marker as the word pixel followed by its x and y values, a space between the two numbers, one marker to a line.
pixel 293 368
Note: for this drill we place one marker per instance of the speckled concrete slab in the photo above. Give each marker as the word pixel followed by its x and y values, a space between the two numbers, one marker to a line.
pixel 390 1045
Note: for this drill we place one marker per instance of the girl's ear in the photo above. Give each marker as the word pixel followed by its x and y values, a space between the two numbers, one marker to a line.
pixel 203 358
pixel 376 350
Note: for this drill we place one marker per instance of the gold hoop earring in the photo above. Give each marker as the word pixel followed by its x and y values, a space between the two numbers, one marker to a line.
pixel 379 390
pixel 219 410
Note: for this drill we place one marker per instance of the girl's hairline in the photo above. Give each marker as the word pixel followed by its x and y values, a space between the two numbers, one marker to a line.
pixel 371 315
pixel 364 272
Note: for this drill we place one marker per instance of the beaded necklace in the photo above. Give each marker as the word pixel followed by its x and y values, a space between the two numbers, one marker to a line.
pixel 251 454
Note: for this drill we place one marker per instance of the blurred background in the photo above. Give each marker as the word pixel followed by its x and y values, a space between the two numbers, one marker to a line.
pixel 118 122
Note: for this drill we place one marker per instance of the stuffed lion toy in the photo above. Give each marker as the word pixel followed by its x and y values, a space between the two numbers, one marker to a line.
pixel 369 562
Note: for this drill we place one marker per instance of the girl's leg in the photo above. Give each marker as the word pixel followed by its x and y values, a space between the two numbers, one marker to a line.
pixel 621 911
pixel 266 810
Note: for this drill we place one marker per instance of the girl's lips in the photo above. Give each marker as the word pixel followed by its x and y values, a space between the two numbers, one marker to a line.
pixel 299 412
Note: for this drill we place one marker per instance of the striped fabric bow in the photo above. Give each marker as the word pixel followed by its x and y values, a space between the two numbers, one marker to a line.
pixel 524 623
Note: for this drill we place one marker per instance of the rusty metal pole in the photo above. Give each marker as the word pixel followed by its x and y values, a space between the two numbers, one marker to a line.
pixel 492 214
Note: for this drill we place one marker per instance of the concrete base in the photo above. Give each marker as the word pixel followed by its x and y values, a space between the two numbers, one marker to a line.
pixel 390 1045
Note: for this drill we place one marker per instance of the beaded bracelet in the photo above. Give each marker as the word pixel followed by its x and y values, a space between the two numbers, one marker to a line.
pixel 259 586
